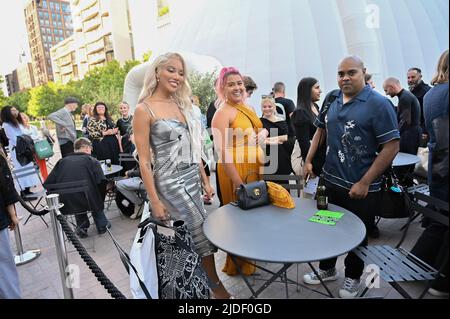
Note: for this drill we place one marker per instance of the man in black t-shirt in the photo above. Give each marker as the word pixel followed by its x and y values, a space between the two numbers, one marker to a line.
pixel 419 89
pixel 408 116
pixel 279 90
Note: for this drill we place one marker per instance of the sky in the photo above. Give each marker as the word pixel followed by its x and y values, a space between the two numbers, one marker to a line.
pixel 13 34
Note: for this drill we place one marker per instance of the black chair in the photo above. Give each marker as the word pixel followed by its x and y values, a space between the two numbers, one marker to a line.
pixel 398 265
pixel 127 161
pixel 422 189
pixel 298 185
pixel 34 199
pixel 67 188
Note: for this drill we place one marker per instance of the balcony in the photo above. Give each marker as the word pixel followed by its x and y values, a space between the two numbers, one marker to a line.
pixel 96 58
pixel 92 36
pixel 95 46
pixel 108 43
pixel 66 70
pixel 90 12
pixel 92 24
pixel 64 61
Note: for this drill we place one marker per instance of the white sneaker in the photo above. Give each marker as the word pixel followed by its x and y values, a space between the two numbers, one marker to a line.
pixel 137 212
pixel 350 288
pixel 438 293
pixel 326 275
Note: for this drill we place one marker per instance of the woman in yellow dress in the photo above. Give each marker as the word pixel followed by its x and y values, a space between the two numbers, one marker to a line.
pixel 237 132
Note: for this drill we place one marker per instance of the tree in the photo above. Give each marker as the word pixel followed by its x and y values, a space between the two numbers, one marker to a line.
pixel 147 55
pixel 20 100
pixel 105 84
pixel 202 85
pixel 3 99
pixel 49 97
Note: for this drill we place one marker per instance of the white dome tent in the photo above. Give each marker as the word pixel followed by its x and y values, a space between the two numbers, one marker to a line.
pixel 135 78
pixel 285 40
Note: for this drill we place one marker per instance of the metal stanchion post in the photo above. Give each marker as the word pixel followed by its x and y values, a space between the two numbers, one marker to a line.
pixel 23 257
pixel 53 207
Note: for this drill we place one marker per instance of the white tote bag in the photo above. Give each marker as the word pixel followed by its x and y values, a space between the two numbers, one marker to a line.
pixel 296 160
pixel 143 257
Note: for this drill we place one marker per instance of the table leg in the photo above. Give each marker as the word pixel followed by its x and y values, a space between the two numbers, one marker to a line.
pixel 321 281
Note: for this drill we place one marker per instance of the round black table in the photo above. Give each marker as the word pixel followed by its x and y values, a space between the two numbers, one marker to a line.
pixel 277 235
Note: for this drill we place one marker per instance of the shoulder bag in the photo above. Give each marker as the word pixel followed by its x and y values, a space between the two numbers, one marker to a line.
pixel 252 195
pixel 180 273
pixel 43 149
pixel 395 201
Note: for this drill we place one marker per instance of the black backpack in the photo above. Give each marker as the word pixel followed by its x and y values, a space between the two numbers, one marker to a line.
pixel 24 149
pixel 320 156
pixel 3 138
pixel 125 206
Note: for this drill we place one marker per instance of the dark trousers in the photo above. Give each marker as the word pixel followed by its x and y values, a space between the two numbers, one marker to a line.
pixel 99 220
pixel 219 194
pixel 365 210
pixel 432 247
pixel 409 143
pixel 66 148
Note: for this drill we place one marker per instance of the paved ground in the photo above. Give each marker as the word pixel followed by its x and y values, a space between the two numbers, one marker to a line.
pixel 40 279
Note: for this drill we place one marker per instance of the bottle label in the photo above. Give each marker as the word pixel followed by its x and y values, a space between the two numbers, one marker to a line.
pixel 322 201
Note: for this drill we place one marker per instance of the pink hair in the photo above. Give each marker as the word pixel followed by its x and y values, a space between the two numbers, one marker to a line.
pixel 221 81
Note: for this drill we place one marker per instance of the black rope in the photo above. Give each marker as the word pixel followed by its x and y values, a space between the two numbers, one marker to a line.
pixel 31 210
pixel 101 277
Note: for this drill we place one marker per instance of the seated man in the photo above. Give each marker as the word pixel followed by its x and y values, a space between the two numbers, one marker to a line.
pixel 78 166
pixel 130 187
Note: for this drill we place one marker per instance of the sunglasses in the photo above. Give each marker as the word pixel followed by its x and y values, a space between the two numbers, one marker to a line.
pixel 270 97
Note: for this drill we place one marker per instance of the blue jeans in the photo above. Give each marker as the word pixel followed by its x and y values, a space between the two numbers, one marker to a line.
pixel 9 278
pixel 99 220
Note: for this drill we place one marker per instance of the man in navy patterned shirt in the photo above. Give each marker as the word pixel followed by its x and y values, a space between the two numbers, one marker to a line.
pixel 357 123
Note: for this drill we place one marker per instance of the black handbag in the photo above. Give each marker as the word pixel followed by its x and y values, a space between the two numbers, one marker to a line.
pixel 252 195
pixel 395 202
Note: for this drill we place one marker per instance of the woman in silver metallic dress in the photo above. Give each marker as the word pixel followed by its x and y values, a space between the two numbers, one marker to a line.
pixel 167 133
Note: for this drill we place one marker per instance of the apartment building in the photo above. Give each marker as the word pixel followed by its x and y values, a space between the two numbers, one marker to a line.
pixel 102 32
pixel 12 83
pixel 48 22
pixel 25 76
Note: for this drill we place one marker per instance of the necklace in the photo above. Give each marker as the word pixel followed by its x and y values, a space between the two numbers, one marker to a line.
pixel 126 120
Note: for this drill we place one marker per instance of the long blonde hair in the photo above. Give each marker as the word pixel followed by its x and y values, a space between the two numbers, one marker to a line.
pixel 182 98
pixel 442 70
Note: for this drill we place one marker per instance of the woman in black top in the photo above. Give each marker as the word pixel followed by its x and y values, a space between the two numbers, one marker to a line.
pixel 124 124
pixel 9 283
pixel 103 134
pixel 278 137
pixel 308 93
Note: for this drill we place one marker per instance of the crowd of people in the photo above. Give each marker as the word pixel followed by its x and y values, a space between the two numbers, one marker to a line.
pixel 349 142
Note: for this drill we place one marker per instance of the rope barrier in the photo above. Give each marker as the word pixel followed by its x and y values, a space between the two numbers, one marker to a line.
pixel 101 277
pixel 31 210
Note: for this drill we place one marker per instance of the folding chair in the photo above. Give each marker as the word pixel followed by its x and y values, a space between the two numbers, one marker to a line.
pixel 422 189
pixel 127 161
pixel 35 199
pixel 298 185
pixel 398 265
pixel 68 188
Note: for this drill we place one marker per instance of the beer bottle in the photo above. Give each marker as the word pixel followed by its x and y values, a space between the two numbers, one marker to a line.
pixel 322 198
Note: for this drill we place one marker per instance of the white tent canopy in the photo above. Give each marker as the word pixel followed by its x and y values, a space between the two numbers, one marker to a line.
pixel 285 40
